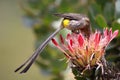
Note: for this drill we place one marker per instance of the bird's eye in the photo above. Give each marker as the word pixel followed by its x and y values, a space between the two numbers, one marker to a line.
pixel 65 23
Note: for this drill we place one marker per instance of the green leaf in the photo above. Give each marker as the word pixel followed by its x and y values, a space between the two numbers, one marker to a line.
pixel 113 58
pixel 109 11
pixel 74 71
pixel 116 26
pixel 80 78
pixel 95 9
pixel 100 20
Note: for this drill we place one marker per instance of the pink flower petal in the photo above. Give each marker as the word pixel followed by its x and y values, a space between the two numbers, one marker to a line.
pixel 97 39
pixel 70 48
pixel 70 45
pixel 71 42
pixel 61 39
pixel 91 50
pixel 114 35
pixel 81 40
pixel 110 32
pixel 106 32
pixel 68 36
pixel 54 42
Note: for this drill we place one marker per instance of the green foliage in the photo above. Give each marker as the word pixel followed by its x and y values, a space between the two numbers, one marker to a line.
pixel 101 14
pixel 115 25
pixel 100 20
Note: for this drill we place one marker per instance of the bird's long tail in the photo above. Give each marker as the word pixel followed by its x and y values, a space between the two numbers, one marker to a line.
pixel 30 61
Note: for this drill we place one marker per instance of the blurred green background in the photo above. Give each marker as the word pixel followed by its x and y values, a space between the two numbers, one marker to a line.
pixel 17 41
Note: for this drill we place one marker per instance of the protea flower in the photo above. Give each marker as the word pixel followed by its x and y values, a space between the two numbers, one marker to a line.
pixel 86 53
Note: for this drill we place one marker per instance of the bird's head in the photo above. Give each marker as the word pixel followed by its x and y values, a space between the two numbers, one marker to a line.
pixel 74 22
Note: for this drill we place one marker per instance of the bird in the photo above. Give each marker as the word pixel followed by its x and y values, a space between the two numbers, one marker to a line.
pixel 75 22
